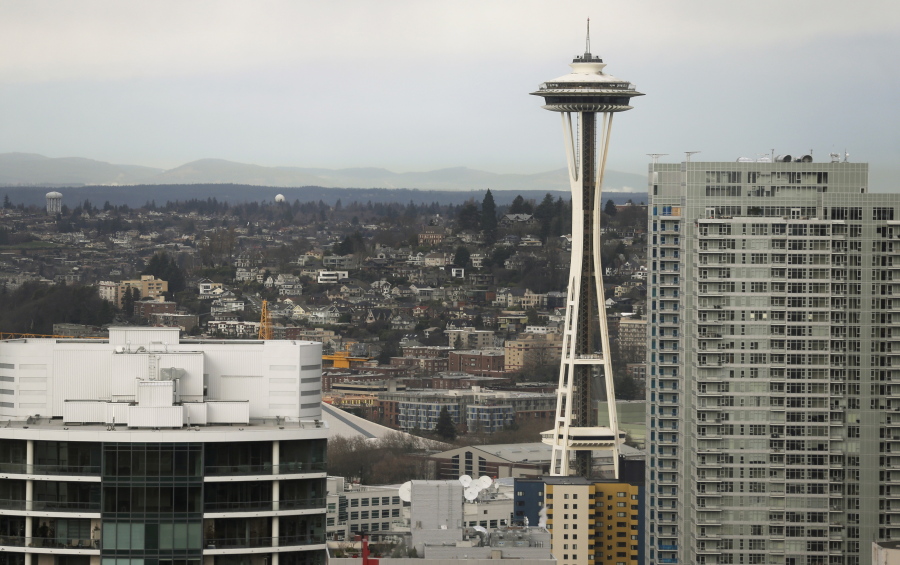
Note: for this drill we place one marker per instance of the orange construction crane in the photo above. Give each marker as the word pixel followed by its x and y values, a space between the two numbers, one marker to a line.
pixel 265 323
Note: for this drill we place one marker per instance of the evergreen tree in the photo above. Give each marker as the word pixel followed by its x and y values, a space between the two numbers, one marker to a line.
pixel 461 257
pixel 520 206
pixel 445 428
pixel 610 208
pixel 489 217
pixel 131 296
pixel 34 307
pixel 351 244
pixel 544 215
pixel 468 216
pixel 163 267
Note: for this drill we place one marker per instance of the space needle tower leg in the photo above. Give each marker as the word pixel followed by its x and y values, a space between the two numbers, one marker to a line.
pixel 591 97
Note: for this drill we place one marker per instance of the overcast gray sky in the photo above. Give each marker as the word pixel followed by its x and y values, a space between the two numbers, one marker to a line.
pixel 418 85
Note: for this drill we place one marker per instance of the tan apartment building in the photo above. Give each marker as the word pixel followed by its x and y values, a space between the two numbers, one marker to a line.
pixel 536 350
pixel 148 286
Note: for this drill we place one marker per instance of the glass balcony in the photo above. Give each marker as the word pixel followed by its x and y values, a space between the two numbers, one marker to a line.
pixel 264 505
pixel 53 543
pixel 248 542
pixel 265 469
pixel 23 469
pixel 51 505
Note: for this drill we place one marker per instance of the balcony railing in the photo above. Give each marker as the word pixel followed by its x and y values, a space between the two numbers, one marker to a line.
pixel 50 505
pixel 264 505
pixel 23 469
pixel 264 469
pixel 282 541
pixel 54 543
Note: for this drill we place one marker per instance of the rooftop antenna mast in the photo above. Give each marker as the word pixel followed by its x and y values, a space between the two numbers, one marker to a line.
pixel 587 41
pixel 656 156
pixel 687 155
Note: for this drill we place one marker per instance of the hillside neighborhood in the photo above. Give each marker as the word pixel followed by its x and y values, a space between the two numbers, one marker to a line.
pixel 422 310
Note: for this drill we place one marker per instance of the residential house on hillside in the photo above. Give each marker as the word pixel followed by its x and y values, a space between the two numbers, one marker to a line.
pixel 351 290
pixel 402 291
pixel 403 322
pixel 324 276
pixel 438 259
pixel 207 287
pixel 288 285
pixel 417 258
pixel 225 305
pixel 340 262
pixel 244 274
pixel 375 315
pixel 518 261
pixel 382 287
pixel 247 260
pixel 519 298
pixel 514 219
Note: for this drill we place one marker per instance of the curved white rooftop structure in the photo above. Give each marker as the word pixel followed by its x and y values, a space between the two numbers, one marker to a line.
pixel 146 449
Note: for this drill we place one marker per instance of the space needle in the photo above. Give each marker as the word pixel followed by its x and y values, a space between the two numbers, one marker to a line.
pixel 586 98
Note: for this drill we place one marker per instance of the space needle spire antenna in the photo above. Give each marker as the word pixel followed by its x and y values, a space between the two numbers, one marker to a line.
pixel 587 41
pixel 586 98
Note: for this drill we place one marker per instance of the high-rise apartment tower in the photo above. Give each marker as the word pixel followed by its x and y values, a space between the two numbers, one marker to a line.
pixel 774 349
pixel 587 99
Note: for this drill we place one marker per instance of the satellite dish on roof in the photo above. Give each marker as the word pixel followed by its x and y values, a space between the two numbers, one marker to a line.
pixel 405 492
pixel 465 481
pixel 485 481
pixel 471 493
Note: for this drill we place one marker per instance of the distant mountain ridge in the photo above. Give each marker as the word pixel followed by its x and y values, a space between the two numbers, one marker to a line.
pixel 30 169
pixel 33 169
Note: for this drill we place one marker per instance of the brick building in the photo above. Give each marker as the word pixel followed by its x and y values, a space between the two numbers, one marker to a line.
pixel 480 362
pixel 147 307
pixel 431 235
pixel 423 365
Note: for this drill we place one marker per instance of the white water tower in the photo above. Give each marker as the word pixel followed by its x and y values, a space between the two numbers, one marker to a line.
pixel 54 202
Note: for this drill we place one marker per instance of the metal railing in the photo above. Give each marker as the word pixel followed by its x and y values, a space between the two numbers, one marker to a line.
pixel 264 469
pixel 23 469
pixel 263 505
pixel 50 505
pixel 282 541
pixel 55 543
